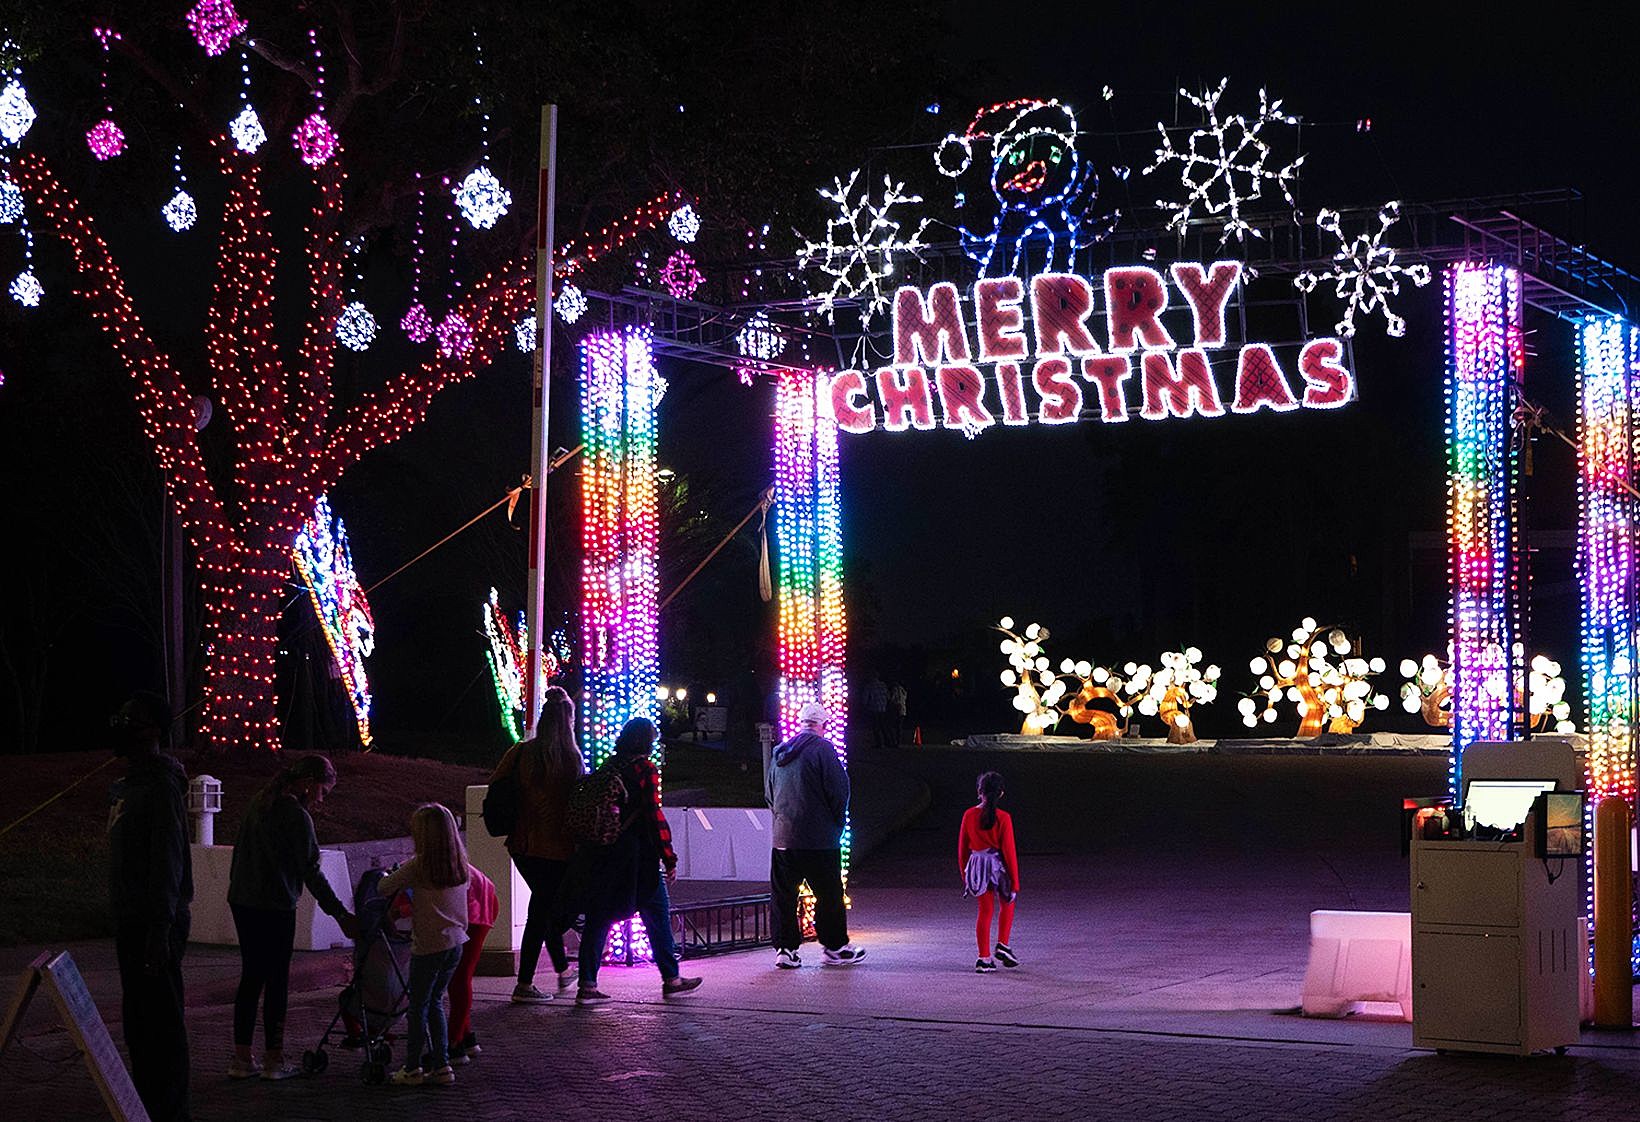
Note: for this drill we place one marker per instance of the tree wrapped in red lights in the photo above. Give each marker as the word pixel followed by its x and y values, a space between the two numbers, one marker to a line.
pixel 290 441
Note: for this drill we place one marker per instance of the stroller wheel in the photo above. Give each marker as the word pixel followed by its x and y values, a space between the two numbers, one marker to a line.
pixel 314 1062
pixel 373 1073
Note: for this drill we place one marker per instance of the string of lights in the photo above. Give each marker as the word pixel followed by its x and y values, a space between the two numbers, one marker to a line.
pixel 1484 360
pixel 105 138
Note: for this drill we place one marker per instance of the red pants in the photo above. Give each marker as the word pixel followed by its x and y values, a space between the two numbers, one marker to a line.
pixel 461 984
pixel 982 926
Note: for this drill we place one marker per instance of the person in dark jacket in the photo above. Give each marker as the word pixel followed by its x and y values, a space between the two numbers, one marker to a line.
pixel 807 789
pixel 151 884
pixel 275 854
pixel 626 876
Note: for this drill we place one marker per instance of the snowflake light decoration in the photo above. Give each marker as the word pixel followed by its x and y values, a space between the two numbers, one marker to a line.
pixel 860 242
pixel 455 336
pixel 180 213
pixel 679 275
pixel 417 324
pixel 524 334
pixel 684 224
pixel 27 290
pixel 1365 271
pixel 105 139
pixel 247 131
pixel 315 140
pixel 214 24
pixel 16 114
pixel 11 202
pixel 356 327
pixel 481 199
pixel 571 304
pixel 1225 164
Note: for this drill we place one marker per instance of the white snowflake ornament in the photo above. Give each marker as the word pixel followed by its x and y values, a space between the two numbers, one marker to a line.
pixel 180 213
pixel 16 114
pixel 684 224
pixel 1365 271
pixel 571 304
pixel 356 327
pixel 1225 164
pixel 481 198
pixel 861 241
pixel 524 334
pixel 27 290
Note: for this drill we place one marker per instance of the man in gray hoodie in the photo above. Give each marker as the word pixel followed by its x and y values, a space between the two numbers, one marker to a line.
pixel 807 789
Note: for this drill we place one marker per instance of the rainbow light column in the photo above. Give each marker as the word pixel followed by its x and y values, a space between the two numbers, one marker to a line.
pixel 1483 369
pixel 620 523
pixel 325 562
pixel 809 546
pixel 620 572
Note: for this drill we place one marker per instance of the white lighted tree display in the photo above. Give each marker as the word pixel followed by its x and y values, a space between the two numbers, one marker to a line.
pixel 1037 689
pixel 1326 694
pixel 1428 690
pixel 1172 690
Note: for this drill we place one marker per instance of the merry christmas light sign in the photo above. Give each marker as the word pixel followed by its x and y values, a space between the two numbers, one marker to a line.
pixel 1056 347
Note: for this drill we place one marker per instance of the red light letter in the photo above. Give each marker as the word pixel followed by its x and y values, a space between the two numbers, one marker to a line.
pixel 851 417
pixel 1207 296
pixel 1329 382
pixel 1260 382
pixel 1060 303
pixel 1108 372
pixel 1061 397
pixel 933 329
pixel 1134 297
pixel 903 400
pixel 998 318
pixel 1012 389
pixel 1191 390
pixel 962 393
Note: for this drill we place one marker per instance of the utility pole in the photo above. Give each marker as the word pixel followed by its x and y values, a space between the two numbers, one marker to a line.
pixel 540 445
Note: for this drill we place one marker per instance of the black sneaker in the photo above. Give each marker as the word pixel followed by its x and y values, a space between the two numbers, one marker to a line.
pixel 985 966
pixel 1006 956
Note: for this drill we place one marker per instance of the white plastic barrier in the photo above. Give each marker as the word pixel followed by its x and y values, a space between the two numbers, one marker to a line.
pixel 213 921
pixel 491 857
pixel 1358 957
pixel 721 842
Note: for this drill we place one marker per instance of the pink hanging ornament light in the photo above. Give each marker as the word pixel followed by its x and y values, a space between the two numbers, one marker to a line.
pixel 214 24
pixel 105 139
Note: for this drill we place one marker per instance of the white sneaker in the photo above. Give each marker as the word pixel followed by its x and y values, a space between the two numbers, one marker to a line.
pixel 440 1076
pixel 788 960
pixel 846 955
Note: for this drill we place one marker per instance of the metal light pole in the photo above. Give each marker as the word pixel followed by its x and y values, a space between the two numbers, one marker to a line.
pixel 540 447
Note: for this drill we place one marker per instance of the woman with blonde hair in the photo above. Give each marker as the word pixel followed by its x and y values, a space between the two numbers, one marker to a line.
pixel 437 879
pixel 547 767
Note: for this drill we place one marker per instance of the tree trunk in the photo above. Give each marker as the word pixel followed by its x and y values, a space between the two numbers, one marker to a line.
pixel 242 639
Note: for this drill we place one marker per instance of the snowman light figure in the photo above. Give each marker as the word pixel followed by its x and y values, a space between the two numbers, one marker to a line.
pixel 1045 190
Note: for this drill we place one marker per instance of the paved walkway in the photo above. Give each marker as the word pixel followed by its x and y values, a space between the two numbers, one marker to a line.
pixel 1160 969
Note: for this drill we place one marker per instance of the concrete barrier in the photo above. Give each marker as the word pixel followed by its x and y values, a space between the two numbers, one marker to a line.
pixel 213 921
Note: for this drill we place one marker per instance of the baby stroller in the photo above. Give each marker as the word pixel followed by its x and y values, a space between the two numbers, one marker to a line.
pixel 377 995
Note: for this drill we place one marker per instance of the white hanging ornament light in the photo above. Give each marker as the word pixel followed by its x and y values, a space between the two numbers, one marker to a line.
pixel 356 327
pixel 684 224
pixel 27 290
pixel 16 114
pixel 524 334
pixel 482 199
pixel 180 213
pixel 11 202
pixel 246 129
pixel 571 304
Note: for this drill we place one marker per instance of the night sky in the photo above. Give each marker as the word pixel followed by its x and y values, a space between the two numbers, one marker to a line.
pixel 1124 540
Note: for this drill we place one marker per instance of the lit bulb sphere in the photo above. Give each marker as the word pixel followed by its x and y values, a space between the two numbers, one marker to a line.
pixel 356 327
pixel 1408 668
pixel 247 131
pixel 105 139
pixel 1006 622
pixel 417 324
pixel 16 114
pixel 11 201
pixel 524 334
pixel 571 304
pixel 758 339
pixel 214 24
pixel 315 140
pixel 455 336
pixel 180 213
pixel 679 275
pixel 481 199
pixel 684 224
pixel 27 290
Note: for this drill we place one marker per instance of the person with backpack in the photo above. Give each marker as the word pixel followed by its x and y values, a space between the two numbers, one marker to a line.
pixel 541 773
pixel 807 789
pixel 626 843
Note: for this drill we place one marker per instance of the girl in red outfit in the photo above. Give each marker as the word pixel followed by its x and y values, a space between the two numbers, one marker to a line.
pixel 985 855
pixel 482 907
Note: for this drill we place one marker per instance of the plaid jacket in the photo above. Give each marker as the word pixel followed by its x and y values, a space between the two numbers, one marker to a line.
pixel 646 802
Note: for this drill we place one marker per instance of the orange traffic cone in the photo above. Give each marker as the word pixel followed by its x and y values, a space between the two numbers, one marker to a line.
pixel 916 734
